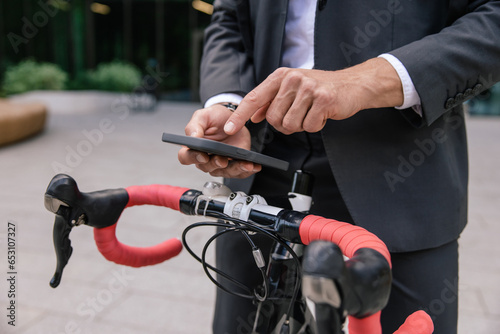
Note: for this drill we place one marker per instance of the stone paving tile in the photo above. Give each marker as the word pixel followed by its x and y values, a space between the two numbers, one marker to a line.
pixel 174 297
pixel 478 324
pixel 479 266
pixel 180 315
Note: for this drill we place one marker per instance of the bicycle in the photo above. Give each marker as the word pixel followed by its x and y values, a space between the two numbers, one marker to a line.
pixel 317 301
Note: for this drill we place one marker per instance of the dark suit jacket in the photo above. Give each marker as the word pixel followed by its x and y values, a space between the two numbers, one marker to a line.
pixel 402 176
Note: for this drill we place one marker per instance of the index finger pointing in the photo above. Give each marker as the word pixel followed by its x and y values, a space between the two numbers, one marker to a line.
pixel 260 97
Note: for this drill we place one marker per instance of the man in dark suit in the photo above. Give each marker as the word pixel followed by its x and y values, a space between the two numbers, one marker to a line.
pixel 374 111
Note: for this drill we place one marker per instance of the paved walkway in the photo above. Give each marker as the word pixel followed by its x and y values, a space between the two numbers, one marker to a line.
pixel 102 145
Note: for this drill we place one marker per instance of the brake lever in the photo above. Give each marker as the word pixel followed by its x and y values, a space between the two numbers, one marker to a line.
pixel 97 209
pixel 62 246
pixel 66 217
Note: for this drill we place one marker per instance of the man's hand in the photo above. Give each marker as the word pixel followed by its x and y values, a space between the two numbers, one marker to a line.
pixel 208 123
pixel 295 100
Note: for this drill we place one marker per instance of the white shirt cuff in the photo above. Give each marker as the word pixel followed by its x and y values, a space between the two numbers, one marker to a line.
pixel 221 98
pixel 411 97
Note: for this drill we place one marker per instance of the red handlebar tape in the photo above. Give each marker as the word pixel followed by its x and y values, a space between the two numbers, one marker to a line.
pixel 113 250
pixel 350 238
pixel 156 194
pixel 418 322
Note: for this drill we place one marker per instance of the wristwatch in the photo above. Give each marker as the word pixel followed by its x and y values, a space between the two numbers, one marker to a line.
pixel 230 106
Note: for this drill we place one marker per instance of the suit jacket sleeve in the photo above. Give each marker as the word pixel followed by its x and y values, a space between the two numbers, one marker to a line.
pixel 457 63
pixel 226 65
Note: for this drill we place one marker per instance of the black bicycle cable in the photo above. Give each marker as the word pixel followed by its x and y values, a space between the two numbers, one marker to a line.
pixel 241 226
pixel 279 240
pixel 217 283
pixel 206 265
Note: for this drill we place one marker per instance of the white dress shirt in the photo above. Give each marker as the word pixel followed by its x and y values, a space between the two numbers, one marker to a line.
pixel 298 52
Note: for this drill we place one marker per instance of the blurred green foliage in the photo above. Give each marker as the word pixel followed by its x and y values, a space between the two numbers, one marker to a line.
pixel 29 75
pixel 116 76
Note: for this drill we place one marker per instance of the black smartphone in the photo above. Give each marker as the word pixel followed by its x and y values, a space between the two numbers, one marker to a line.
pixel 215 147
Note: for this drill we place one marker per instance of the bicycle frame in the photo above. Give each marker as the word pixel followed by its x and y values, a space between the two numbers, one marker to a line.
pixel 101 210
